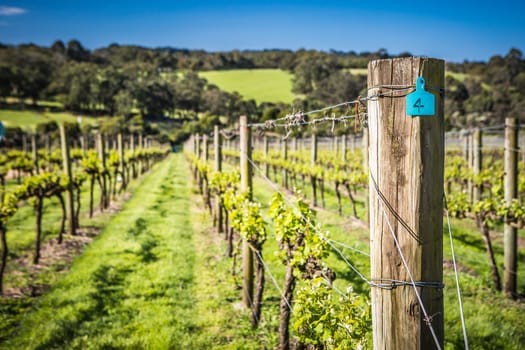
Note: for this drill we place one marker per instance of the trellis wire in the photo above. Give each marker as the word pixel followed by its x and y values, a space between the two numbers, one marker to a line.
pixel 458 289
pixel 298 118
pixel 272 278
pixel 427 319
pixel 345 259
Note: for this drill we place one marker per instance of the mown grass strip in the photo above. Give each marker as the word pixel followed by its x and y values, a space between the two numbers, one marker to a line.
pixel 262 85
pixel 132 288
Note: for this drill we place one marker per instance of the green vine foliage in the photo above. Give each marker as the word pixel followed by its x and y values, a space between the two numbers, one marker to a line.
pixel 298 236
pixel 331 321
pixel 41 186
pixel 8 206
pixel 91 163
pixel 246 218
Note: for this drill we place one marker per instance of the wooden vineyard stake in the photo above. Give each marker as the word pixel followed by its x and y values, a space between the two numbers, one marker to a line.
pixel 265 150
pixel 284 146
pixel 70 210
pixel 406 158
pixel 477 145
pixel 246 186
pixel 217 167
pixel 343 147
pixel 510 234
pixel 101 147
pixel 34 152
pixel 205 148
pixel 313 161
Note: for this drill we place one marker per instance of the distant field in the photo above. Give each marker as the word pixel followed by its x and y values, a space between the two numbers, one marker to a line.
pixel 29 119
pixel 458 76
pixel 262 85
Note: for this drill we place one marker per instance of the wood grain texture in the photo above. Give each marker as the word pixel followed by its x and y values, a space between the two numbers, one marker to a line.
pixel 510 234
pixel 406 159
pixel 66 159
pixel 246 186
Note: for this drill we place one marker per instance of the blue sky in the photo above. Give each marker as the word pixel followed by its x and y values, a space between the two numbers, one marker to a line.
pixel 453 30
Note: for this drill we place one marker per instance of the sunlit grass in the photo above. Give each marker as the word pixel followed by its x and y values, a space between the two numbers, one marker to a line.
pixel 28 119
pixel 262 85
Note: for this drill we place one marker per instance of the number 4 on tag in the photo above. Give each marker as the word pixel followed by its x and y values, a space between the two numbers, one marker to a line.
pixel 420 102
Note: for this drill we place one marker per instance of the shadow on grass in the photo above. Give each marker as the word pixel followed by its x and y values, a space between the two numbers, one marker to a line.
pixel 109 285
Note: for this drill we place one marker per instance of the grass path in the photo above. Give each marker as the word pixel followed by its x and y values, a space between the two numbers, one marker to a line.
pixel 153 279
pixel 124 290
pixel 157 278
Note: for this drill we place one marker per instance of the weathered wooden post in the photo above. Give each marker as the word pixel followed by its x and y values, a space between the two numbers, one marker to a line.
pixel 70 209
pixel 284 147
pixel 217 154
pixel 34 152
pixel 265 150
pixel 120 146
pixel 343 148
pixel 406 210
pixel 510 233
pixel 246 186
pixel 477 145
pixel 470 182
pixel 465 134
pixel 365 144
pixel 205 147
pixel 313 161
pixel 101 147
pixel 197 145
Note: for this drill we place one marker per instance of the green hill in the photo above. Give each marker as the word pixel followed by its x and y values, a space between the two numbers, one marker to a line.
pixel 29 119
pixel 262 85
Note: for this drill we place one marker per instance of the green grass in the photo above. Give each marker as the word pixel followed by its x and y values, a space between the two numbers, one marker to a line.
pixel 157 278
pixel 493 321
pixel 262 85
pixel 154 278
pixel 458 76
pixel 28 119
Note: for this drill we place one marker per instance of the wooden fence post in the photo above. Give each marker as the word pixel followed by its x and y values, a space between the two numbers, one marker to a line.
pixel 34 152
pixel 343 147
pixel 101 147
pixel 205 147
pixel 217 154
pixel 510 234
pixel 70 209
pixel 284 146
pixel 465 145
pixel 120 146
pixel 246 186
pixel 313 161
pixel 470 182
pixel 265 150
pixel 197 146
pixel 406 202
pixel 477 145
pixel 365 144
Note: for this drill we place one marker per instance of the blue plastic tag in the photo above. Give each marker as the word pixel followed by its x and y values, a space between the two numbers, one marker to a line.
pixel 420 102
pixel 2 131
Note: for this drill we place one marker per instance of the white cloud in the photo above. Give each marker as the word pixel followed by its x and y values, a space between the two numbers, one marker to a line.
pixel 11 11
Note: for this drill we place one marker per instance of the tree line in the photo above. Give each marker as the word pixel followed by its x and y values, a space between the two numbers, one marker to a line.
pixel 163 82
